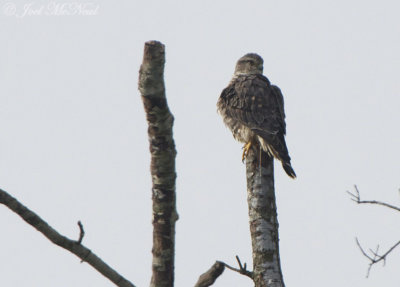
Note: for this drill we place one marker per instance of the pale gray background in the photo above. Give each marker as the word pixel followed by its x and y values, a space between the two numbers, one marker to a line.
pixel 73 139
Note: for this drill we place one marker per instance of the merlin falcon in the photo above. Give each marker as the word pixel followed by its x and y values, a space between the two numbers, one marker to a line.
pixel 253 110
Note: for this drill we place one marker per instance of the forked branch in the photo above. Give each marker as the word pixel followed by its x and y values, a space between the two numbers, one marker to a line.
pixel 375 257
pixel 372 255
pixel 210 276
pixel 357 198
pixel 74 246
pixel 242 268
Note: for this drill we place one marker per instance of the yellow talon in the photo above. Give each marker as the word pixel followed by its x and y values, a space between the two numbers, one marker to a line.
pixel 246 149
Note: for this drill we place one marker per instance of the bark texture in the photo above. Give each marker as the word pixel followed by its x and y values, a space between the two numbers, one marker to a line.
pixel 208 278
pixel 163 153
pixel 73 246
pixel 263 219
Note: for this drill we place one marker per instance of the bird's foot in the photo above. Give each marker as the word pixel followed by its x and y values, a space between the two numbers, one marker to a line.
pixel 246 149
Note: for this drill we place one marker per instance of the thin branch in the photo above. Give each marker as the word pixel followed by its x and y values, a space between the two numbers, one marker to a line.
pixel 73 246
pixel 356 198
pixel 81 232
pixel 376 257
pixel 242 268
pixel 362 250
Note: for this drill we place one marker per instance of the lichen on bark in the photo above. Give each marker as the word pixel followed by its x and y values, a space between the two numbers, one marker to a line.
pixel 162 167
pixel 263 219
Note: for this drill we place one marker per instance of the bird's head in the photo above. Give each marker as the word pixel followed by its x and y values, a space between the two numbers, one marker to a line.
pixel 249 64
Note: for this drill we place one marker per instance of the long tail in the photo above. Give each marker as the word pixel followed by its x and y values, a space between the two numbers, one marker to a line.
pixel 275 145
pixel 288 169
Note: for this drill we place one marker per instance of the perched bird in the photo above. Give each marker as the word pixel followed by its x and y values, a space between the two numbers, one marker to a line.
pixel 252 109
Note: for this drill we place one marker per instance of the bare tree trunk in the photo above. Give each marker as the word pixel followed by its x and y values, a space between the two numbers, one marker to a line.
pixel 263 219
pixel 163 153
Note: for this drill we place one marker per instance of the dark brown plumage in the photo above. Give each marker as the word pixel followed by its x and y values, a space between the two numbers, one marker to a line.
pixel 253 110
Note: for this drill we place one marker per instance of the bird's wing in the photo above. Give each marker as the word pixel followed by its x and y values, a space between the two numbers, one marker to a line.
pixel 252 101
pixel 279 98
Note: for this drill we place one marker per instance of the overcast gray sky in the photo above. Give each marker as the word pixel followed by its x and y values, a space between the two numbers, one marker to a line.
pixel 73 139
